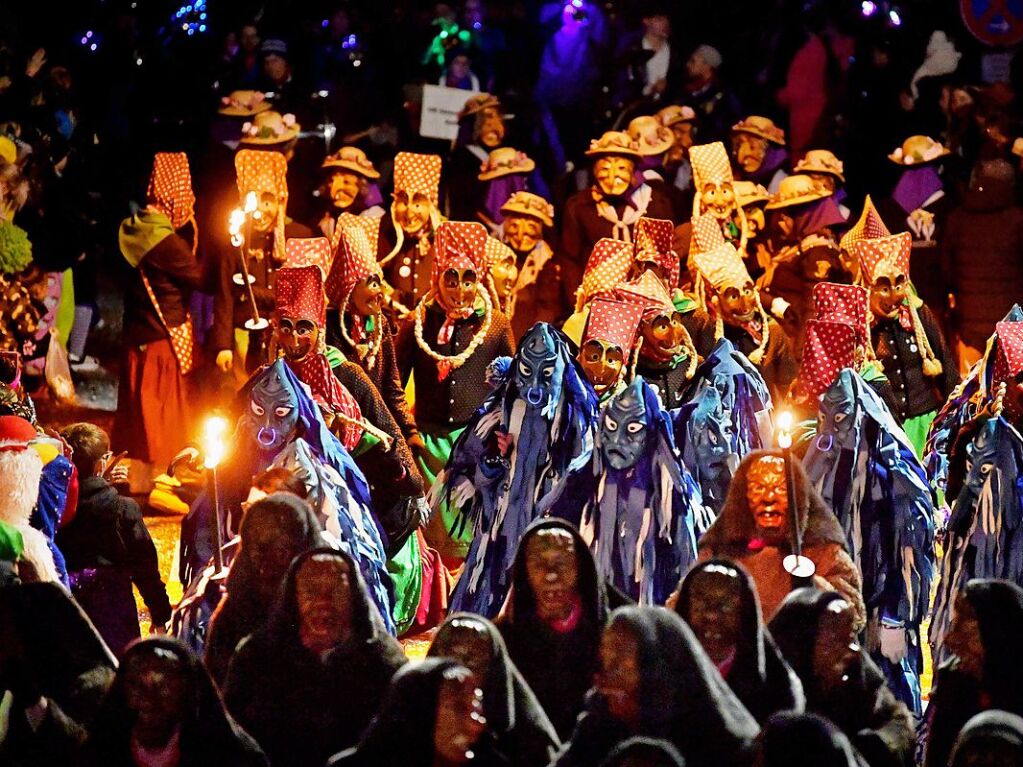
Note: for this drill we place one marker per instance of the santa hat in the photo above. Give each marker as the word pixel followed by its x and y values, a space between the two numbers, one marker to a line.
pixel 1009 360
pixel 354 260
pixel 265 172
pixel 170 188
pixel 828 348
pixel 459 245
pixel 654 243
pixel 868 227
pixel 298 293
pixel 307 251
pixel 843 303
pixel 613 322
pixel 606 269
pixel 417 174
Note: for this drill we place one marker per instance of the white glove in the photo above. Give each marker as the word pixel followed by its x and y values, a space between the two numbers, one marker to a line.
pixel 893 643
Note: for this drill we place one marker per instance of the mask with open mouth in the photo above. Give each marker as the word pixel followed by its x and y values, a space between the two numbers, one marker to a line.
pixel 272 415
pixel 623 428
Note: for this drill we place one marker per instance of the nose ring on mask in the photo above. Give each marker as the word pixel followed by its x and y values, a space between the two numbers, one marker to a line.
pixel 821 442
pixel 266 436
pixel 534 395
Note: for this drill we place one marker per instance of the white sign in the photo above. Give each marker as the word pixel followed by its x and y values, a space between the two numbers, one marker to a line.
pixel 440 111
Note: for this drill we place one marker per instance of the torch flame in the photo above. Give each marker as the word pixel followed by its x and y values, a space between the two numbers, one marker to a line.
pixel 784 422
pixel 214 448
pixel 251 202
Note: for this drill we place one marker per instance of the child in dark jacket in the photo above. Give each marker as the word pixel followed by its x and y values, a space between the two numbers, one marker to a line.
pixel 108 547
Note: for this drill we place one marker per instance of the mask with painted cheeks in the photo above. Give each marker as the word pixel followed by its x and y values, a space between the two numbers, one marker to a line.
pixel 267 208
pixel 768 498
pixel 412 212
pixel 522 233
pixel 888 292
pixel 272 417
pixel 538 368
pixel 456 291
pixel 664 337
pixel 367 296
pixel 613 174
pixel 296 338
pixel 718 199
pixel 345 188
pixel 602 363
pixel 737 304
pixel 749 151
pixel 623 428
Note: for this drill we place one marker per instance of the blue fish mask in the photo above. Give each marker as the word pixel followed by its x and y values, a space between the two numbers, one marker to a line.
pixel 538 368
pixel 623 427
pixel 982 456
pixel 273 414
pixel 712 434
pixel 837 415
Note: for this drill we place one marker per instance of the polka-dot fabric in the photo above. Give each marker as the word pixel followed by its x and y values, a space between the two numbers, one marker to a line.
pixel 298 293
pixel 648 293
pixel 722 267
pixel 170 187
pixel 1009 359
pixel 330 394
pixel 307 251
pixel 261 172
pixel 458 245
pixel 370 225
pixel 653 243
pixel 884 254
pixel 829 347
pixel 606 269
pixel 841 303
pixel 495 251
pixel 868 227
pixel 614 322
pixel 707 234
pixel 710 164
pixel 417 173
pixel 354 260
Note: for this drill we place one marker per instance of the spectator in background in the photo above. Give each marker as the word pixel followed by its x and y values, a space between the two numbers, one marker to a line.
pixel 108 548
pixel 246 72
pixel 717 108
pixel 648 66
pixel 279 79
pixel 458 73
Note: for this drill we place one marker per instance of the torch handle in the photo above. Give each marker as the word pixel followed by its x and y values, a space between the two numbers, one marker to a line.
pixel 215 529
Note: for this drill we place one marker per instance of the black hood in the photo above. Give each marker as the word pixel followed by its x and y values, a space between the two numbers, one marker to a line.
pixel 805 740
pixel 990 733
pixel 999 608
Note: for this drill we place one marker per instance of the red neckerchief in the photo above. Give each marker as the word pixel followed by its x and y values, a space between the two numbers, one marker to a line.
pixel 447 329
pixel 314 370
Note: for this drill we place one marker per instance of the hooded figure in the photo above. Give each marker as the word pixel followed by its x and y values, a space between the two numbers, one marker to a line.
pixel 514 715
pixel 635 501
pixel 804 740
pixel 274 531
pixel 738 534
pixel 990 738
pixel 300 705
pixel 815 631
pixel 982 535
pixel 557 657
pixel 753 667
pixel 648 752
pixel 49 653
pixel 660 673
pixel 982 671
pixel 408 724
pixel 544 407
pixel 191 720
pixel 865 469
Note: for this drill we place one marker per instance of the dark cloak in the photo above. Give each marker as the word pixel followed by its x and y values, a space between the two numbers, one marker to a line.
pixel 759 676
pixel 649 752
pixel 522 729
pixel 558 668
pixel 242 610
pixel 878 725
pixel 684 700
pixel 957 697
pixel 209 736
pixel 998 735
pixel 64 660
pixel 402 731
pixel 299 709
pixel 804 740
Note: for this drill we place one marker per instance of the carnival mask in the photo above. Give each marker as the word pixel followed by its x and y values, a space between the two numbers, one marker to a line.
pixel 981 459
pixel 490 128
pixel 755 221
pixel 837 415
pixel 836 648
pixel 273 410
pixel 269 548
pixel 623 429
pixel 619 680
pixel 465 640
pixel 323 591
pixel 456 290
pixel 887 293
pixel 344 189
pixel 718 199
pixel 367 296
pixel 460 719
pixel 712 429
pixel 504 273
pixel 824 181
pixel 296 338
pixel 613 174
pixel 553 573
pixel 157 689
pixel 602 363
pixel 539 368
pixel 768 498
pixel 749 151
pixel 738 305
pixel 664 337
pixel 522 233
pixel 715 610
pixel 683 132
pixel 964 639
pixel 267 209
pixel 412 214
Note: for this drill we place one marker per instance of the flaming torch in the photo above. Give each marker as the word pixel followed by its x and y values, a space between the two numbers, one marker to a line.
pixel 214 449
pixel 241 218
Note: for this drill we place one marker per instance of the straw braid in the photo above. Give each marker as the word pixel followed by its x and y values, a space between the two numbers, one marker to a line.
pixel 374 340
pixel 931 364
pixel 757 355
pixel 457 360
